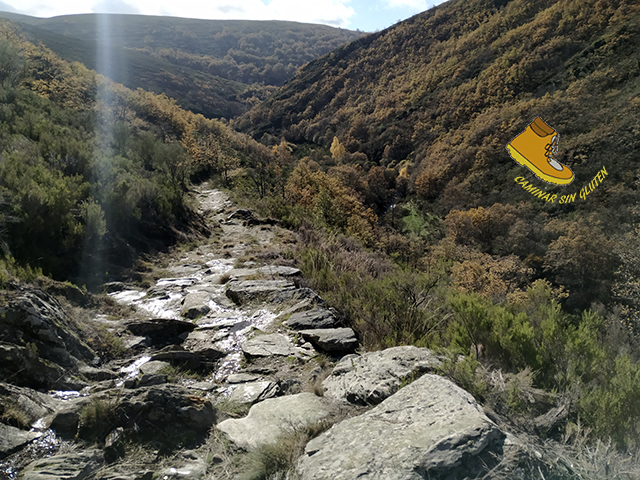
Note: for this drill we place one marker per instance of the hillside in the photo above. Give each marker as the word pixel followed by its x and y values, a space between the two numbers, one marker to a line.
pixel 92 174
pixel 434 101
pixel 449 88
pixel 207 65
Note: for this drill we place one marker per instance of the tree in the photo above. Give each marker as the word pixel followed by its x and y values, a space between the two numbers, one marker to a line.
pixel 337 150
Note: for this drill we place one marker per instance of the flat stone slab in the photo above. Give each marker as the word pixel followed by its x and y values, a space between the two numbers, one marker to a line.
pixel 332 340
pixel 310 319
pixel 12 439
pixel 269 345
pixel 256 290
pixel 369 378
pixel 253 392
pixel 268 420
pixel 428 429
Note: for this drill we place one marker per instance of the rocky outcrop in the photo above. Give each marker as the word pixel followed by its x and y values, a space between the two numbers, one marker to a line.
pixel 428 429
pixel 253 392
pixel 370 378
pixel 332 340
pixel 269 420
pixel 29 404
pixel 40 346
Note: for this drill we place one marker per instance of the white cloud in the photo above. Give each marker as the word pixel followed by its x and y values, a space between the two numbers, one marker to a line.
pixel 418 5
pixel 332 12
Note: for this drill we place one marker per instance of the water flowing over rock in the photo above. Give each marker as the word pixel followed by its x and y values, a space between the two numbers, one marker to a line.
pixel 430 429
pixel 369 378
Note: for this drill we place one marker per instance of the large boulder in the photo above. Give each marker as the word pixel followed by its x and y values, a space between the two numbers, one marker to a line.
pixel 428 429
pixel 268 420
pixel 314 318
pixel 268 271
pixel 332 340
pixel 369 378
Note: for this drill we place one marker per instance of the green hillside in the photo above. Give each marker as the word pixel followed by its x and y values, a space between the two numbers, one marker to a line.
pixel 204 64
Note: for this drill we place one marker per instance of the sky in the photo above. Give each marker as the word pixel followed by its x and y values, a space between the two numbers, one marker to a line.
pixel 365 15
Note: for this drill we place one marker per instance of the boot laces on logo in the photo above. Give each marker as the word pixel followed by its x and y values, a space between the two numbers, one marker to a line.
pixel 551 151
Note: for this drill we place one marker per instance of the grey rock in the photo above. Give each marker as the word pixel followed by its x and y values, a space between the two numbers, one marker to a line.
pixel 33 405
pixel 298 295
pixel 195 305
pixel 183 358
pixel 314 318
pixel 12 439
pixel 369 378
pixel 158 413
pixel 253 392
pixel 154 367
pixel 24 367
pixel 148 380
pixel 96 374
pixel 428 429
pixel 70 466
pixel 332 340
pixel 203 386
pixel 160 329
pixel 267 421
pixel 242 292
pixel 41 347
pixel 268 345
pixel 202 342
pixel 66 419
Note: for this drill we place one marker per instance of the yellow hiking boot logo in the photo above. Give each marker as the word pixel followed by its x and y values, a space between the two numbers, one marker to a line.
pixel 535 149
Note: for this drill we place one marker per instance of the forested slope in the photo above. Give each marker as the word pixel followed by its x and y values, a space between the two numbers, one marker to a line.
pixel 207 65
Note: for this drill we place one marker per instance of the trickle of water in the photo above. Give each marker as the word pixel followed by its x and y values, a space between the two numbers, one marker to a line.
pixel 132 370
